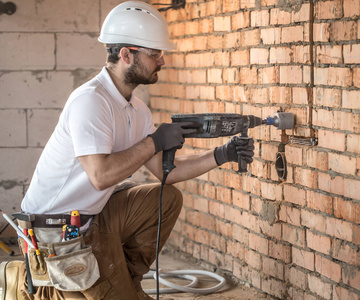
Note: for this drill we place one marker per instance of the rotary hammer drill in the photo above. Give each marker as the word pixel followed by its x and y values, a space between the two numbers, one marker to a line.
pixel 213 125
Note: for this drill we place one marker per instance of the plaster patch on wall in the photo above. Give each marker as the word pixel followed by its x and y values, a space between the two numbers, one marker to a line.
pixel 8 184
pixel 290 5
pixel 81 76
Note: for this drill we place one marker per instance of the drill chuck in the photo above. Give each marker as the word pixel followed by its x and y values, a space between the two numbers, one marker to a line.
pixel 281 120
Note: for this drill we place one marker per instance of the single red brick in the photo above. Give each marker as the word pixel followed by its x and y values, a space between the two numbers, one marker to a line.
pixel 290 215
pixel 241 200
pixel 329 54
pixel 270 35
pixel 279 94
pixel 216 208
pixel 327 97
pixel 268 2
pixel 293 235
pixel 240 58
pixel 222 23
pixel 333 76
pixel 343 31
pixel 240 234
pixel 250 37
pixel 351 54
pixel 240 20
pixel 345 252
pixel 351 276
pixel 321 32
pixel 340 293
pixel 273 267
pixel 353 143
pixel 328 9
pixel 249 221
pixel 331 185
pixel 323 118
pixel 319 201
pixel 331 140
pixel 356 76
pixel 319 287
pixel 296 277
pixel 306 177
pixel 351 9
pixel 230 75
pixel 253 259
pixel 294 154
pixel 303 258
pixel 259 56
pixel 313 220
pixel 351 99
pixel 347 121
pixel 290 74
pixel 230 5
pixel 294 195
pixel 327 268
pixel 340 229
pixel 318 242
pixel 271 191
pixel 270 229
pixel 352 188
pixel 348 210
pixel 317 159
pixel 248 75
pixel 259 18
pixel 342 164
pixel 280 251
pixel 274 287
pixel 292 34
pixel 278 16
pixel 258 243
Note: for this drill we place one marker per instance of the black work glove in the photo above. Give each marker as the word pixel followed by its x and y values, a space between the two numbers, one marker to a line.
pixel 171 135
pixel 234 147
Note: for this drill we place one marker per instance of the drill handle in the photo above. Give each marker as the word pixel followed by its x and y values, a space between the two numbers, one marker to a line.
pixel 168 160
pixel 242 164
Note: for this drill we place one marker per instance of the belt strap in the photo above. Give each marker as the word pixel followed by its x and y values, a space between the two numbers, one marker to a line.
pixel 57 220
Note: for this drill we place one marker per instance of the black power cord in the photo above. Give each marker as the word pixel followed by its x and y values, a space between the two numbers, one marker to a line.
pixel 158 234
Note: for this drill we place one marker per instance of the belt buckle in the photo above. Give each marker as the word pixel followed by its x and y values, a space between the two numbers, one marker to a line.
pixel 50 221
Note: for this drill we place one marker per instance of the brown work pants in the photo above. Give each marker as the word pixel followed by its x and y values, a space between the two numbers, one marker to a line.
pixel 123 238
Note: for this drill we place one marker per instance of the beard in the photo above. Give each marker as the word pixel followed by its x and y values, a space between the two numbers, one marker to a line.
pixel 139 74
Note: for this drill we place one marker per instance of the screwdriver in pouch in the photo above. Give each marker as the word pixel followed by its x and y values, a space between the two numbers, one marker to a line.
pixel 75 218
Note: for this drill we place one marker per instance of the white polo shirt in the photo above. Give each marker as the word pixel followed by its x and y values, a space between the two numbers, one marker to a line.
pixel 96 119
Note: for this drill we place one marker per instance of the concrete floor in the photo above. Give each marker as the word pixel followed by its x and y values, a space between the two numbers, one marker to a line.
pixel 168 262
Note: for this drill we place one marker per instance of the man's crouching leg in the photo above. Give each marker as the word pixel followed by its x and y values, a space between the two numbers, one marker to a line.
pixel 140 238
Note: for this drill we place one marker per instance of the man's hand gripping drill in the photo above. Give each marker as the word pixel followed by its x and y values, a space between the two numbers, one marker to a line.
pixel 169 138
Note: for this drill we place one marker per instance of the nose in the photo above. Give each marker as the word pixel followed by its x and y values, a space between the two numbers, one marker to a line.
pixel 161 61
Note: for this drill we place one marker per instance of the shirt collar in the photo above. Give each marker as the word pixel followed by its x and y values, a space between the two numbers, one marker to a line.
pixel 108 84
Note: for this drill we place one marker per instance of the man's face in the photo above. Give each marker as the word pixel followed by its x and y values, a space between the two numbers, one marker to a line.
pixel 143 70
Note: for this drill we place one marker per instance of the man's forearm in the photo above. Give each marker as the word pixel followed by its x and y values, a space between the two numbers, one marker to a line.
pixel 106 170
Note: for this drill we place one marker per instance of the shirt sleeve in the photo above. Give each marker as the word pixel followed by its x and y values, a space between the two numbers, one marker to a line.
pixel 89 120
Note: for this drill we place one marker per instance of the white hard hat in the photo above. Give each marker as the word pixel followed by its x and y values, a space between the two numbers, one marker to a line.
pixel 136 23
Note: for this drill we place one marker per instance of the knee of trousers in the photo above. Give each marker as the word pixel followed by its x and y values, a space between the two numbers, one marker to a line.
pixel 173 196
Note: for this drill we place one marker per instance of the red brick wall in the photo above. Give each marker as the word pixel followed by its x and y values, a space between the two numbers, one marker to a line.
pixel 298 238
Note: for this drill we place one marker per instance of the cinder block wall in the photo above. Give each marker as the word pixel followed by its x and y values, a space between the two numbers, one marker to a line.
pixel 48 48
pixel 296 239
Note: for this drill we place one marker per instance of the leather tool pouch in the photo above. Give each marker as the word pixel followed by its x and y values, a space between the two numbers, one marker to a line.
pixel 68 265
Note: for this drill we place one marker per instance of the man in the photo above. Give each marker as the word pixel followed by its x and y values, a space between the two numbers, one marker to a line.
pixel 103 136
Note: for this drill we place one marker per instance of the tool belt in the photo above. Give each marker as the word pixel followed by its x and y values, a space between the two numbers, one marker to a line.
pixel 66 265
pixel 51 221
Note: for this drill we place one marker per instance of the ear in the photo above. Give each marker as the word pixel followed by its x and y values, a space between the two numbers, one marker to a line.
pixel 125 55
